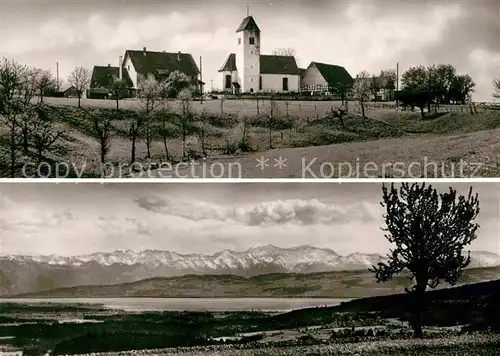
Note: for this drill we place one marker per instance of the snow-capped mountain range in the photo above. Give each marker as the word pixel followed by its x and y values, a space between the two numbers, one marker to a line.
pixel 29 274
pixel 297 259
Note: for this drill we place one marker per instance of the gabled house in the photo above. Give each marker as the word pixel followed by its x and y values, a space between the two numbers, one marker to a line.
pixel 159 64
pixel 70 92
pixel 104 78
pixel 249 71
pixel 326 79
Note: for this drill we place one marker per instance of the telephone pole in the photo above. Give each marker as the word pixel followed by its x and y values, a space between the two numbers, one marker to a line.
pixel 397 85
pixel 201 83
pixel 57 76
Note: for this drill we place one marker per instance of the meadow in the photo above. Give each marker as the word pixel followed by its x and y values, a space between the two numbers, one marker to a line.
pixel 241 132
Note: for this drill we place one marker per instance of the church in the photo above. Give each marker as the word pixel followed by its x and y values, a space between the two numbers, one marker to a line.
pixel 249 71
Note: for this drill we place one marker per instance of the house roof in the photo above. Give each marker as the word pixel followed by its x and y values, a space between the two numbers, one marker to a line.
pixel 333 74
pixel 248 24
pixel 230 64
pixel 66 89
pixel 106 76
pixel 162 63
pixel 302 71
pixel 271 64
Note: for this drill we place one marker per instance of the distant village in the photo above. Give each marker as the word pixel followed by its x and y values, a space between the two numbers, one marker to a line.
pixel 247 71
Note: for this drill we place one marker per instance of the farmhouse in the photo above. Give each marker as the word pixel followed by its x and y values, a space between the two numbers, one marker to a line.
pixel 104 78
pixel 159 64
pixel 70 92
pixel 326 79
pixel 249 71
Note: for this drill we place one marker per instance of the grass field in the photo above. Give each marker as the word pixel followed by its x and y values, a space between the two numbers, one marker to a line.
pixel 388 143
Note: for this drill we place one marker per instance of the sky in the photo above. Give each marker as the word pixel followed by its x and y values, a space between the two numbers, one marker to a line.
pixel 74 219
pixel 359 34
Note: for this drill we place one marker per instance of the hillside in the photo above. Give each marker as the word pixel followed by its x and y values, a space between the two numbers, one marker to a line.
pixel 337 284
pixel 474 304
pixel 301 130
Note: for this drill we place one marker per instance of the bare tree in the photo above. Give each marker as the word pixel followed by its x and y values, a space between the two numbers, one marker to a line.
pixel 202 130
pixel 430 231
pixel 119 86
pixel 273 109
pixel 150 92
pixel 44 134
pixel 362 90
pixel 80 78
pixel 375 86
pixel 164 128
pixel 147 130
pixel 285 52
pixel 44 81
pixel 11 80
pixel 186 116
pixel 389 79
pixel 133 133
pixel 28 89
pixel 101 129
pixel 338 113
pixel 496 88
pixel 245 128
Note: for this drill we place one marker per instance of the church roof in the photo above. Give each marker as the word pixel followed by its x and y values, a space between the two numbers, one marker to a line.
pixel 248 24
pixel 270 64
pixel 333 74
pixel 230 64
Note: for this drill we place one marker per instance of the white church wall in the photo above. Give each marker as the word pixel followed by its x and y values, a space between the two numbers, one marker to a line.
pixel 274 82
pixel 234 78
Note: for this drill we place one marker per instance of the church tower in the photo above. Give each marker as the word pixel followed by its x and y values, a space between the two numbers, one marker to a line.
pixel 248 55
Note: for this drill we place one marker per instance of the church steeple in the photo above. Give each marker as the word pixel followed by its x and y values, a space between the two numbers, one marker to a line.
pixel 248 24
pixel 248 55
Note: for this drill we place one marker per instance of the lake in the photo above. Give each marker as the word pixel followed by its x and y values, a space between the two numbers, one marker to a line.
pixel 192 304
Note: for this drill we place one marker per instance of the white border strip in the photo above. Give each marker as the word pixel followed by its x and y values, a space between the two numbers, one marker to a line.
pixel 246 180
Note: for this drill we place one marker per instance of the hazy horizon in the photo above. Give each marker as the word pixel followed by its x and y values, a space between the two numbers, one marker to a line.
pixel 80 219
pixel 358 34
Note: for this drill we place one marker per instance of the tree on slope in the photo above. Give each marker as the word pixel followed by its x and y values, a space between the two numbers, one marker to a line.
pixel 80 78
pixel 430 231
pixel 362 90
